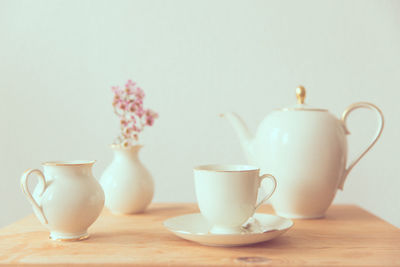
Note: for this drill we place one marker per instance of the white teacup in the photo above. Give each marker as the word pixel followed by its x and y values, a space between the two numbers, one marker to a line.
pixel 227 195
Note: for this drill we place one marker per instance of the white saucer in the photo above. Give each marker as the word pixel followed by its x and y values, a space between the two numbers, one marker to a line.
pixel 260 228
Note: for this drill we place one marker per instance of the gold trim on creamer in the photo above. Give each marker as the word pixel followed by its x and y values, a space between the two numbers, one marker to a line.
pixel 69 163
pixel 70 239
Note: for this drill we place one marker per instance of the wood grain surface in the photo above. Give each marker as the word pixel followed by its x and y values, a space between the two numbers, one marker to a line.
pixel 347 236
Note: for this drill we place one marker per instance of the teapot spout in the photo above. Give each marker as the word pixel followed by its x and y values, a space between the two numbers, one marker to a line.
pixel 245 137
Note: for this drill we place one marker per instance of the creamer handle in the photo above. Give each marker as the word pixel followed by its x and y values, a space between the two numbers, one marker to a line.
pixel 345 114
pixel 25 189
pixel 262 177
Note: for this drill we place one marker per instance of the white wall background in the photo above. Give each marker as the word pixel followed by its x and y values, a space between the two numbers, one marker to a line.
pixel 195 59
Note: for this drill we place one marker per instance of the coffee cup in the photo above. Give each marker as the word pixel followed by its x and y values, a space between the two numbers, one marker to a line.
pixel 227 195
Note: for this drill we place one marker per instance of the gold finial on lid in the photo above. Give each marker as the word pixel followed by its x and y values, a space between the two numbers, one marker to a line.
pixel 300 94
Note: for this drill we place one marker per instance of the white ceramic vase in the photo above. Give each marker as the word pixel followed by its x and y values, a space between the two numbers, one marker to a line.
pixel 127 184
pixel 67 199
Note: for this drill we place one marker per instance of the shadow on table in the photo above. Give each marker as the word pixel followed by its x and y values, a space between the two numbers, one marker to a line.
pixel 133 237
pixel 173 210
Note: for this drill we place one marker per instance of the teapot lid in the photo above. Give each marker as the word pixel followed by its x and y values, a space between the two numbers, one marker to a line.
pixel 301 106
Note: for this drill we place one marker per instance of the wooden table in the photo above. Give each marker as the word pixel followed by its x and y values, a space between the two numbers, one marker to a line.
pixel 347 236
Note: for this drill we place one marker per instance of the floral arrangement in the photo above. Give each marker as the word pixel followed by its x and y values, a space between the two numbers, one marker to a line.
pixel 128 106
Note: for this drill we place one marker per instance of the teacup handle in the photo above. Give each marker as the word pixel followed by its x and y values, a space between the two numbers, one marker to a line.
pixel 262 177
pixel 346 113
pixel 25 189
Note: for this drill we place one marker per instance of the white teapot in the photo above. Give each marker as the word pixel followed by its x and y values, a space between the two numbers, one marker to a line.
pixel 305 148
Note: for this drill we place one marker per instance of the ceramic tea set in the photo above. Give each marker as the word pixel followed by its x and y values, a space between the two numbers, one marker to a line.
pixel 227 198
pixel 306 149
pixel 67 199
pixel 300 150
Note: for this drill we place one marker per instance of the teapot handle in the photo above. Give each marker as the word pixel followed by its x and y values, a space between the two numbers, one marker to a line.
pixel 345 114
pixel 25 189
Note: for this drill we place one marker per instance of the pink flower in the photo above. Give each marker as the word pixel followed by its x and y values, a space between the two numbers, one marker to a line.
pixel 128 91
pixel 138 92
pixel 127 131
pixel 149 121
pixel 139 111
pixel 132 107
pixel 115 89
pixel 151 113
pixel 129 83
pixel 150 116
pixel 128 105
pixel 133 119
pixel 121 105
